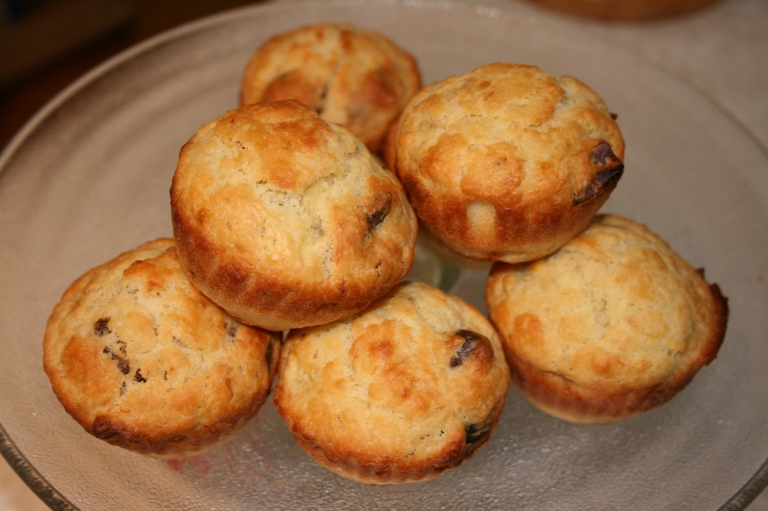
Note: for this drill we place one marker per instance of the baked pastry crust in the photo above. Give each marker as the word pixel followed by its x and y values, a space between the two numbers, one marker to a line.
pixel 352 76
pixel 612 324
pixel 506 162
pixel 401 392
pixel 287 220
pixel 144 361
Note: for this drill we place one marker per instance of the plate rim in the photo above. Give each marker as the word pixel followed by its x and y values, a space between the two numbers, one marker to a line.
pixel 26 471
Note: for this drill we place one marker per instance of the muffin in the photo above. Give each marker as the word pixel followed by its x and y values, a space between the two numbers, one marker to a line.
pixel 286 220
pixel 400 392
pixel 613 324
pixel 351 76
pixel 143 360
pixel 507 162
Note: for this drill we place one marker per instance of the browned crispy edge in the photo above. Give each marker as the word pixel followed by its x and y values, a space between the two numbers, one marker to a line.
pixel 569 401
pixel 375 469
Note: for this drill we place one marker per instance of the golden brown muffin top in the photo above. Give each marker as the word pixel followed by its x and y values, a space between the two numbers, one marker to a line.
pixel 539 132
pixel 401 391
pixel 615 309
pixel 286 220
pixel 352 76
pixel 499 161
pixel 141 359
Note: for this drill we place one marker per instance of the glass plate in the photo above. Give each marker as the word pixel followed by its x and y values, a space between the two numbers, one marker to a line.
pixel 88 177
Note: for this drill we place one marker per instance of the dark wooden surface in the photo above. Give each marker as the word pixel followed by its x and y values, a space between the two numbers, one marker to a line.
pixel 57 41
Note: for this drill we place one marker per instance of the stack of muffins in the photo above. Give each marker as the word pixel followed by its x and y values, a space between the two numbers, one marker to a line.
pixel 295 218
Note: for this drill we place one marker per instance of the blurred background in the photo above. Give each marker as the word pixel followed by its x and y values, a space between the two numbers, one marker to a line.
pixel 47 44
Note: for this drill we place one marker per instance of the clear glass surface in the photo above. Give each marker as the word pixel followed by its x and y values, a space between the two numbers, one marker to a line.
pixel 89 176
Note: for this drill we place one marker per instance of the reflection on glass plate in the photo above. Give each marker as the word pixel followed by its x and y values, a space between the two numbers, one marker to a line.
pixel 89 178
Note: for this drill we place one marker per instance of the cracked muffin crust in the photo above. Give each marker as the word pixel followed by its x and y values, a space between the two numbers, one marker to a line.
pixel 400 392
pixel 506 162
pixel 612 324
pixel 141 359
pixel 287 220
pixel 351 76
